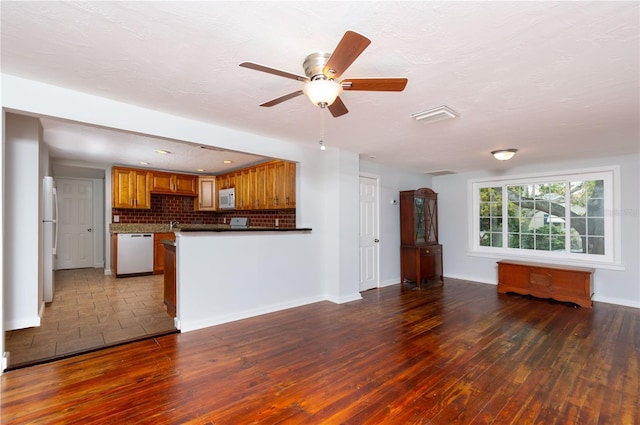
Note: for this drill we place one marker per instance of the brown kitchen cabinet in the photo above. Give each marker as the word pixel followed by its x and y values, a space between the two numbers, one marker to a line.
pixel 281 189
pixel 158 250
pixel 206 200
pixel 266 186
pixel 170 279
pixel 174 184
pixel 243 198
pixel 131 188
pixel 420 252
pixel 561 283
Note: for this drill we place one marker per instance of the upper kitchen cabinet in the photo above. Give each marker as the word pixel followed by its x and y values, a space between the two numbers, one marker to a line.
pixel 175 184
pixel 131 188
pixel 267 186
pixel 281 185
pixel 206 200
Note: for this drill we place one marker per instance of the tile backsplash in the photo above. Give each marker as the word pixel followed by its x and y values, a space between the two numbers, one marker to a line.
pixel 166 208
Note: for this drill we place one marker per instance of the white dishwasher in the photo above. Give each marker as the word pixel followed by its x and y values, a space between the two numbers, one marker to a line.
pixel 135 254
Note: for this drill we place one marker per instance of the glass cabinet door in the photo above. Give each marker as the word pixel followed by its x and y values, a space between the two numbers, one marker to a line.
pixel 432 220
pixel 421 227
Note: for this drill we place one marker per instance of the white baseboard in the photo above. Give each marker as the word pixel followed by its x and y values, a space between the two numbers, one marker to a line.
pixel 389 282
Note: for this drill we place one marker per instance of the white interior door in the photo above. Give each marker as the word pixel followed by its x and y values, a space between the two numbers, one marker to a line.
pixel 75 224
pixel 369 251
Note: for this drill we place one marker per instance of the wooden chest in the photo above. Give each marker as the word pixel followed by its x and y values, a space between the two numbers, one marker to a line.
pixel 561 283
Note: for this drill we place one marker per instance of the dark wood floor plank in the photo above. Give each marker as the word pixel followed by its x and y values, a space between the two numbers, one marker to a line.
pixel 457 353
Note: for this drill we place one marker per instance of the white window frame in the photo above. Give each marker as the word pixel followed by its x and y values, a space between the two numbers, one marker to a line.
pixel 613 240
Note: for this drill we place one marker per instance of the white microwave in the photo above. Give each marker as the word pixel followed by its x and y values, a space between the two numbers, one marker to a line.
pixel 227 199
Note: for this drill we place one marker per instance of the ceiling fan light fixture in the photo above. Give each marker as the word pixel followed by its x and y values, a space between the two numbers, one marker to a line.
pixel 322 93
pixel 504 154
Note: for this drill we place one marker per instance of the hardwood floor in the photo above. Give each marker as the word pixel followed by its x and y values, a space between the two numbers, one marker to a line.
pixel 457 353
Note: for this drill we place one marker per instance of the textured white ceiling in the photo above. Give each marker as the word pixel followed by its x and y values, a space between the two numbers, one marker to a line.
pixel 556 80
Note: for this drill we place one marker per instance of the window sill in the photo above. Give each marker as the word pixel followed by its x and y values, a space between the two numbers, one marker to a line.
pixel 562 262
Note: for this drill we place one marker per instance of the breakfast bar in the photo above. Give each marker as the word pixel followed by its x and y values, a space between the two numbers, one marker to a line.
pixel 222 275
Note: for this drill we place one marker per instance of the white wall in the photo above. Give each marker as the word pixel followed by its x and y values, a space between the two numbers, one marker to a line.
pixel 22 296
pixel 223 277
pixel 612 286
pixel 323 184
pixel 3 360
pixel 391 181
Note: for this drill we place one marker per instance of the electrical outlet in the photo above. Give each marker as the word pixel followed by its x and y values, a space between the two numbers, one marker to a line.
pixel 116 219
pixel 5 361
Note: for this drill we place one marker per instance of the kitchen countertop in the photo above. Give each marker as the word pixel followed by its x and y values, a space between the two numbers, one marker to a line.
pixel 247 229
pixel 116 228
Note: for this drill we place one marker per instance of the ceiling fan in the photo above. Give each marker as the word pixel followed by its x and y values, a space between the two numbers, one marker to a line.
pixel 322 69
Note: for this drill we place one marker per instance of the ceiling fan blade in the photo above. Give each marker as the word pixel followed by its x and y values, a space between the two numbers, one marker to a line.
pixel 337 108
pixel 347 50
pixel 374 84
pixel 282 98
pixel 274 71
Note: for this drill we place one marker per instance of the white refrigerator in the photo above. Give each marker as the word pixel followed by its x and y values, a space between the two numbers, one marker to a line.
pixel 50 235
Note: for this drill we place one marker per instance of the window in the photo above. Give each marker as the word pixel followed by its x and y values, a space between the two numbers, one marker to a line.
pixel 564 216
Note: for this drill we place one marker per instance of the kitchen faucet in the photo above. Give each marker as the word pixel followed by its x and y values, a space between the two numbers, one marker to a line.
pixel 173 224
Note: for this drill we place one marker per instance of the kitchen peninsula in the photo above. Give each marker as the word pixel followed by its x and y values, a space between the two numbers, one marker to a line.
pixel 231 274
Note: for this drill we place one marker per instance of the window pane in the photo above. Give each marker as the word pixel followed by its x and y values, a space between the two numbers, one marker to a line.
pixel 496 209
pixel 595 226
pixel 514 240
pixel 587 217
pixel 595 245
pixel 557 243
pixel 496 239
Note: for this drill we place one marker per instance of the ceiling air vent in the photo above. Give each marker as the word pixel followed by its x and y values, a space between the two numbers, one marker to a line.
pixel 436 114
pixel 440 173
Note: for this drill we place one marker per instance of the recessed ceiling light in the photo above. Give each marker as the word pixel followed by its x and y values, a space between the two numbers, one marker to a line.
pixel 436 114
pixel 200 169
pixel 162 152
pixel 227 161
pixel 144 163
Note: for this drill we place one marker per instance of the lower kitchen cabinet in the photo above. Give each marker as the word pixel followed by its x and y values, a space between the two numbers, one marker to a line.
pixel 170 279
pixel 158 250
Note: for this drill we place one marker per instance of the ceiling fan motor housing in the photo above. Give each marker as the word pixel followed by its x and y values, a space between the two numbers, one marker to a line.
pixel 314 64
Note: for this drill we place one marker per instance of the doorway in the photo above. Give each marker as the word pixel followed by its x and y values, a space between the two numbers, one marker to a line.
pixel 369 242
pixel 75 224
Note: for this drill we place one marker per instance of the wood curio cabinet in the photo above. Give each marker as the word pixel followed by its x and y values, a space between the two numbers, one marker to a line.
pixel 420 252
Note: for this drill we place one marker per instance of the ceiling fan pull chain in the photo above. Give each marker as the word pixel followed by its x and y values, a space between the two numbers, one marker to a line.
pixel 322 114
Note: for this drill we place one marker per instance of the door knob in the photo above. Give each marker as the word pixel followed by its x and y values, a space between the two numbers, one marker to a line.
pixel 376 240
pixel 89 230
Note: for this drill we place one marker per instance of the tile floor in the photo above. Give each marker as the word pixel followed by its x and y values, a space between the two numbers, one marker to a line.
pixel 89 311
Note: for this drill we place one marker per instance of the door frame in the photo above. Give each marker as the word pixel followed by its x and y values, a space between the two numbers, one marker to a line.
pixel 377 229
